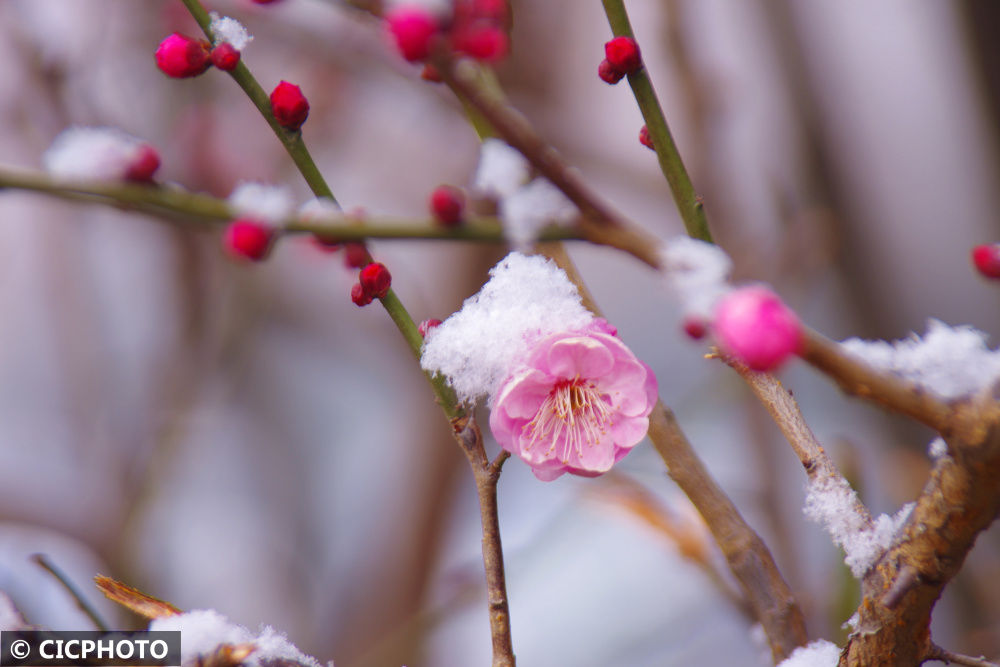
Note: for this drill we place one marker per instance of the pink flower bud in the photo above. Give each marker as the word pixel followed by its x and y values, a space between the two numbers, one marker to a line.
pixel 426 326
pixel 447 204
pixel 412 28
pixel 757 328
pixel 645 139
pixel 355 255
pixel 483 41
pixel 623 54
pixel 289 106
pixel 987 259
pixel 375 279
pixel 248 239
pixel 142 167
pixel 225 57
pixel 359 296
pixel 609 73
pixel 181 56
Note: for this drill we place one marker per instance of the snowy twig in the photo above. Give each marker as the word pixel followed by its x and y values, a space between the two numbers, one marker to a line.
pixel 599 223
pixel 947 657
pixel 178 205
pixel 689 204
pixel 487 474
pixel 46 564
pixel 890 391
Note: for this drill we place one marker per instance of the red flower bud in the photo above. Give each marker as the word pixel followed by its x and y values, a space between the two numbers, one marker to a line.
pixel 447 204
pixel 623 54
pixel 987 259
pixel 609 73
pixel 225 57
pixel 359 296
pixel 645 139
pixel 412 29
pixel 695 327
pixel 375 279
pixel 481 41
pixel 180 56
pixel 426 326
pixel 355 255
pixel 144 165
pixel 289 106
pixel 248 239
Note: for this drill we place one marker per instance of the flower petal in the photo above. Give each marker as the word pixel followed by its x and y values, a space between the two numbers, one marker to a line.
pixel 579 356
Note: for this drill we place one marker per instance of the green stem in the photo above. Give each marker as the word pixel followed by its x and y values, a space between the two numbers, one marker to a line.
pixel 689 204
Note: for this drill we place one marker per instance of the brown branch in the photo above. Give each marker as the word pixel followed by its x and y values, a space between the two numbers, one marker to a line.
pixel 857 378
pixel 487 474
pixel 959 501
pixel 749 559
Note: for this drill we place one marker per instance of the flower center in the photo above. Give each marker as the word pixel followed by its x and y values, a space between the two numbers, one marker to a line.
pixel 574 412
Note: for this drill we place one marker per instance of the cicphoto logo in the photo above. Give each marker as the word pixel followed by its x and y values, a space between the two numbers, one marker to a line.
pixel 46 647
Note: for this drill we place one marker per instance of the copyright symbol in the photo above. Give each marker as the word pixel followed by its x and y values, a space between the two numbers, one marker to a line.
pixel 20 649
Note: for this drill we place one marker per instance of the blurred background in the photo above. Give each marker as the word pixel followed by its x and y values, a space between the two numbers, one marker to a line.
pixel 244 438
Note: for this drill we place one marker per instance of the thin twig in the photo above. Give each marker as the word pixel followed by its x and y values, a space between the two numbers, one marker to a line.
pixel 487 474
pixel 689 204
pixel 46 564
pixel 938 653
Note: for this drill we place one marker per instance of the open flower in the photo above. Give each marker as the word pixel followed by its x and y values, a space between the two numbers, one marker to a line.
pixel 577 403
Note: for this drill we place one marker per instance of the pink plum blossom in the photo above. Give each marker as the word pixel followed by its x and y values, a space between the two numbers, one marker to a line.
pixel 578 403
pixel 755 326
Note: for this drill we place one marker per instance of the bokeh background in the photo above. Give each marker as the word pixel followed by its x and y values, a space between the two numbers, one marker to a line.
pixel 244 438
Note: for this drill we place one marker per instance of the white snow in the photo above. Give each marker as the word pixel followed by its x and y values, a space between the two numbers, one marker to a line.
pixel 526 297
pixel 266 203
pixel 92 154
pixel 938 448
pixel 530 209
pixel 696 272
pixel 502 170
pixel 227 29
pixel 819 653
pixel 950 361
pixel 832 502
pixel 203 630
pixel 320 210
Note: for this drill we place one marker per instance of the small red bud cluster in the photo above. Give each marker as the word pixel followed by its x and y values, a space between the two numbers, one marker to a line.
pixel 181 57
pixel 986 258
pixel 447 205
pixel 289 106
pixel 374 281
pixel 143 165
pixel 478 29
pixel 621 57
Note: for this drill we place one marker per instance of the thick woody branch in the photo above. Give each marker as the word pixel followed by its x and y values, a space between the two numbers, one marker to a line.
pixel 959 501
